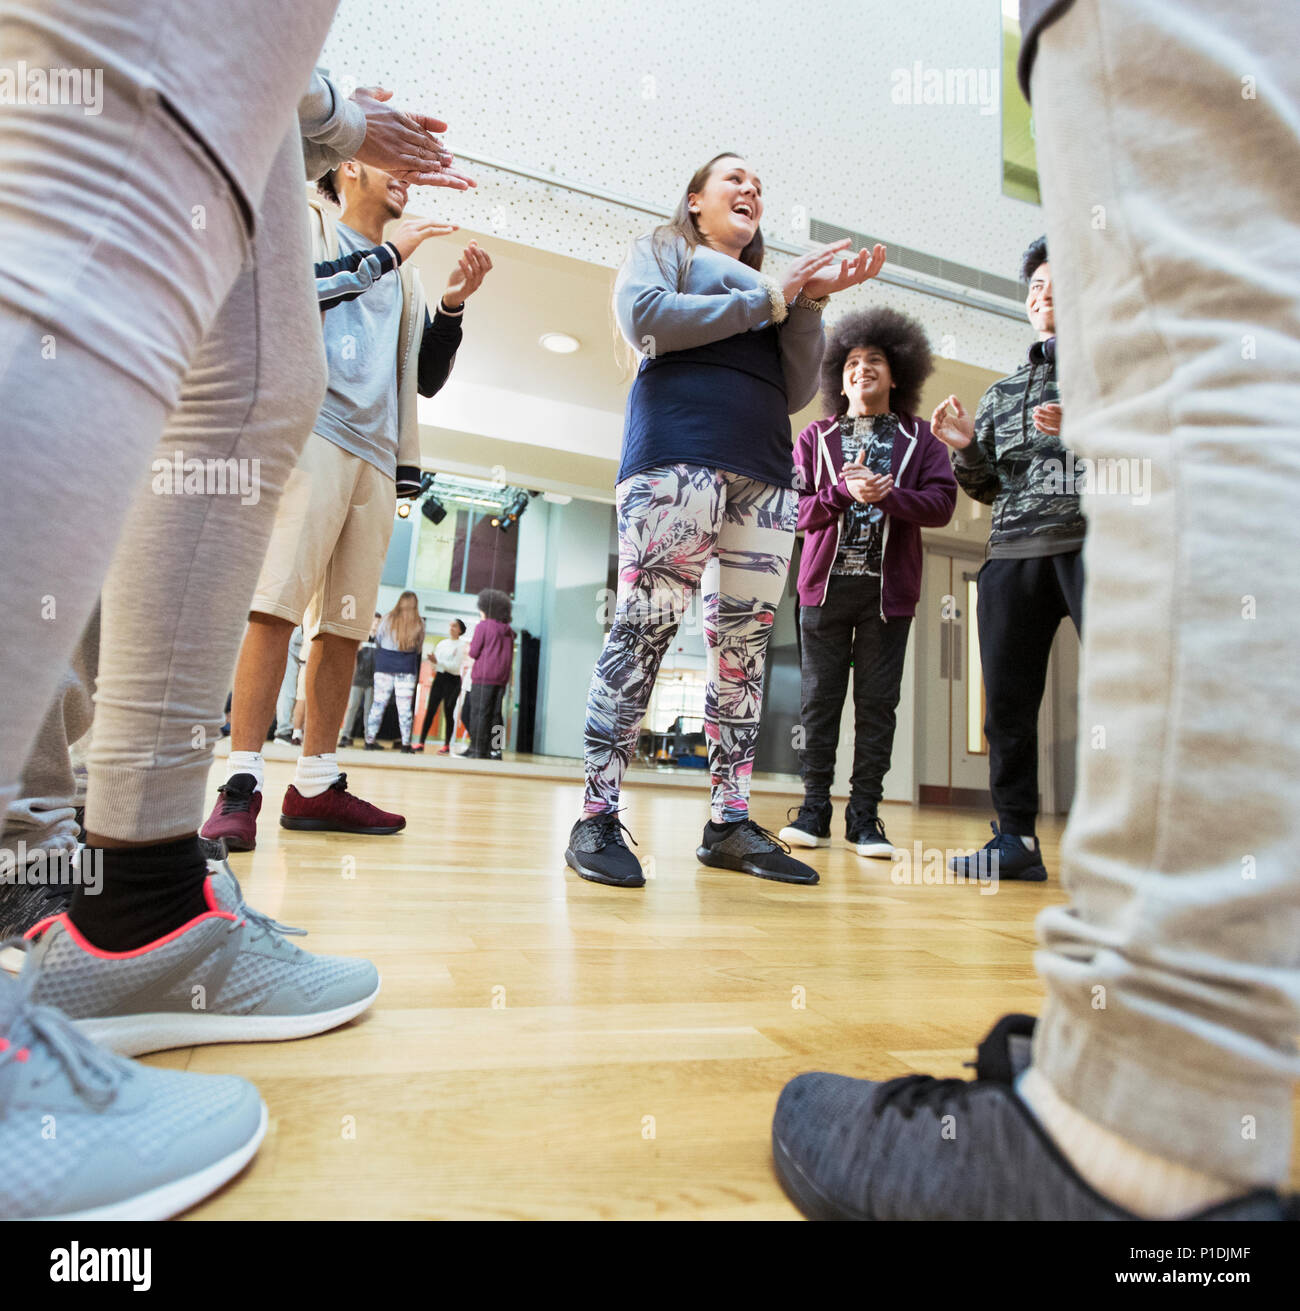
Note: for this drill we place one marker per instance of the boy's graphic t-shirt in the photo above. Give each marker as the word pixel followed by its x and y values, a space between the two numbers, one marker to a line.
pixel 861 534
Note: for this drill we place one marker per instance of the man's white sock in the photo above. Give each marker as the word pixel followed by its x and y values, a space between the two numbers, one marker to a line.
pixel 1148 1185
pixel 246 762
pixel 315 774
pixel 1029 842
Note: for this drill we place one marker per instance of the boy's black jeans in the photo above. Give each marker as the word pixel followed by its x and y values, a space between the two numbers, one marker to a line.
pixel 846 629
pixel 1021 605
pixel 485 717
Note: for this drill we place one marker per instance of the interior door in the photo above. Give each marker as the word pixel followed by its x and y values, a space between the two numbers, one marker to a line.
pixel 953 766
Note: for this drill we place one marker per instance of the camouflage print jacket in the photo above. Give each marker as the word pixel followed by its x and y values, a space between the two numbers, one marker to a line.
pixel 1020 471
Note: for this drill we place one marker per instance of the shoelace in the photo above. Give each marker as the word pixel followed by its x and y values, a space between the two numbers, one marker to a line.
pixel 92 1071
pixel 234 800
pixel 264 926
pixel 355 807
pixel 916 1091
pixel 810 813
pixel 751 826
pixel 608 829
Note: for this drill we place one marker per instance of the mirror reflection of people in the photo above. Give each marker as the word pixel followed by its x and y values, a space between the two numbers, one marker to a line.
pixel 448 658
pixel 399 643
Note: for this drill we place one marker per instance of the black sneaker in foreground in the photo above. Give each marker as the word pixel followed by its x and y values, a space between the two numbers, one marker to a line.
pixel 753 850
pixel 597 852
pixel 850 1149
pixel 1004 856
pixel 811 827
pixel 868 838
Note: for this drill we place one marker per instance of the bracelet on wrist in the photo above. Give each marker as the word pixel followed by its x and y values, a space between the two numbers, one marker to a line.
pixel 807 303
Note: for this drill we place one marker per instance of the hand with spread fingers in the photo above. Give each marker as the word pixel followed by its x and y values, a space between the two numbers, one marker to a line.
pixel 406 144
pixel 853 270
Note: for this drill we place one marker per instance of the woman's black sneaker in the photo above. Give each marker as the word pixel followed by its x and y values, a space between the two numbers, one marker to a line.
pixel 811 827
pixel 868 838
pixel 1004 856
pixel 753 850
pixel 597 852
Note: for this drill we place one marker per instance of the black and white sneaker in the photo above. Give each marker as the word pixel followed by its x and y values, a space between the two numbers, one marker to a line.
pixel 811 827
pixel 753 850
pixel 597 852
pixel 868 838
pixel 1004 856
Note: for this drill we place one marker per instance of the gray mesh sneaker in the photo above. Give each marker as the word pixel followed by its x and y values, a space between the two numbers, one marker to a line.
pixel 227 976
pixel 86 1135
pixel 918 1148
pixel 753 850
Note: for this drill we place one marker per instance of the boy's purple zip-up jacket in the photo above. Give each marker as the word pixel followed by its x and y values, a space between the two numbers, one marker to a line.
pixel 924 496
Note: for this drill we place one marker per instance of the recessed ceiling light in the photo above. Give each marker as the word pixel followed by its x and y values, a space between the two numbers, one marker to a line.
pixel 559 342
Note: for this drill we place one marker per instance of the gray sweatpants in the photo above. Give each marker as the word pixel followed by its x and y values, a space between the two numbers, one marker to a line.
pixel 44 814
pixel 129 259
pixel 1169 148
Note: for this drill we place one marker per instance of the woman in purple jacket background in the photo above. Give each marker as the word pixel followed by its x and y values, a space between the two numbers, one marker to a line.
pixel 873 476
pixel 491 660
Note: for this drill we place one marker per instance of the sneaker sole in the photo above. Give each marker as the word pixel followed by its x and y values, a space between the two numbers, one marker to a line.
pixel 806 1196
pixel 136 1035
pixel 742 866
pixel 877 850
pixel 329 826
pixel 1034 874
pixel 171 1199
pixel 235 844
pixel 796 837
pixel 594 876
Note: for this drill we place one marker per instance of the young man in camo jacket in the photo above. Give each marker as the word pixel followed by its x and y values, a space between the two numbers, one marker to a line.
pixel 1010 456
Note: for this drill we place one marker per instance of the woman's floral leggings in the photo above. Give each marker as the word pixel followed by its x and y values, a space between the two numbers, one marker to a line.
pixel 682 527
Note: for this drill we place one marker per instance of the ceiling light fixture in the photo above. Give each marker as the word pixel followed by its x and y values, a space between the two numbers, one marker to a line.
pixel 559 342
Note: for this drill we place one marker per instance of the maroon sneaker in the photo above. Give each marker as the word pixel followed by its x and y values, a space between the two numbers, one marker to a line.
pixel 337 811
pixel 234 817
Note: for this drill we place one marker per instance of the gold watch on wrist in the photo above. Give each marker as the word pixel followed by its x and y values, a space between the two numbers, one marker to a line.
pixel 807 303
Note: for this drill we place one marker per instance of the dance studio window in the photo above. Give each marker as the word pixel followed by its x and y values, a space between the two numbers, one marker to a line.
pixel 465 553
pixel 484 556
pixel 678 700
pixel 1019 160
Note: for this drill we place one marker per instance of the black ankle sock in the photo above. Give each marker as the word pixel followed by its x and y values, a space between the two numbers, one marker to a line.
pixel 147 892
pixel 721 829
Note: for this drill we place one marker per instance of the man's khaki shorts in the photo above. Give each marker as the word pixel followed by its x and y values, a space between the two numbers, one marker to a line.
pixel 328 546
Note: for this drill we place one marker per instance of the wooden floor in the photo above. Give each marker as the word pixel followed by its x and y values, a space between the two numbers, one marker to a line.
pixel 548 1048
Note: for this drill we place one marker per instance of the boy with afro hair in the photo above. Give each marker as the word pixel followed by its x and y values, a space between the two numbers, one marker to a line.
pixel 872 476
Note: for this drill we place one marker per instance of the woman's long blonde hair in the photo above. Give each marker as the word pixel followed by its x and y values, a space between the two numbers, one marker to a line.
pixel 403 623
pixel 682 226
